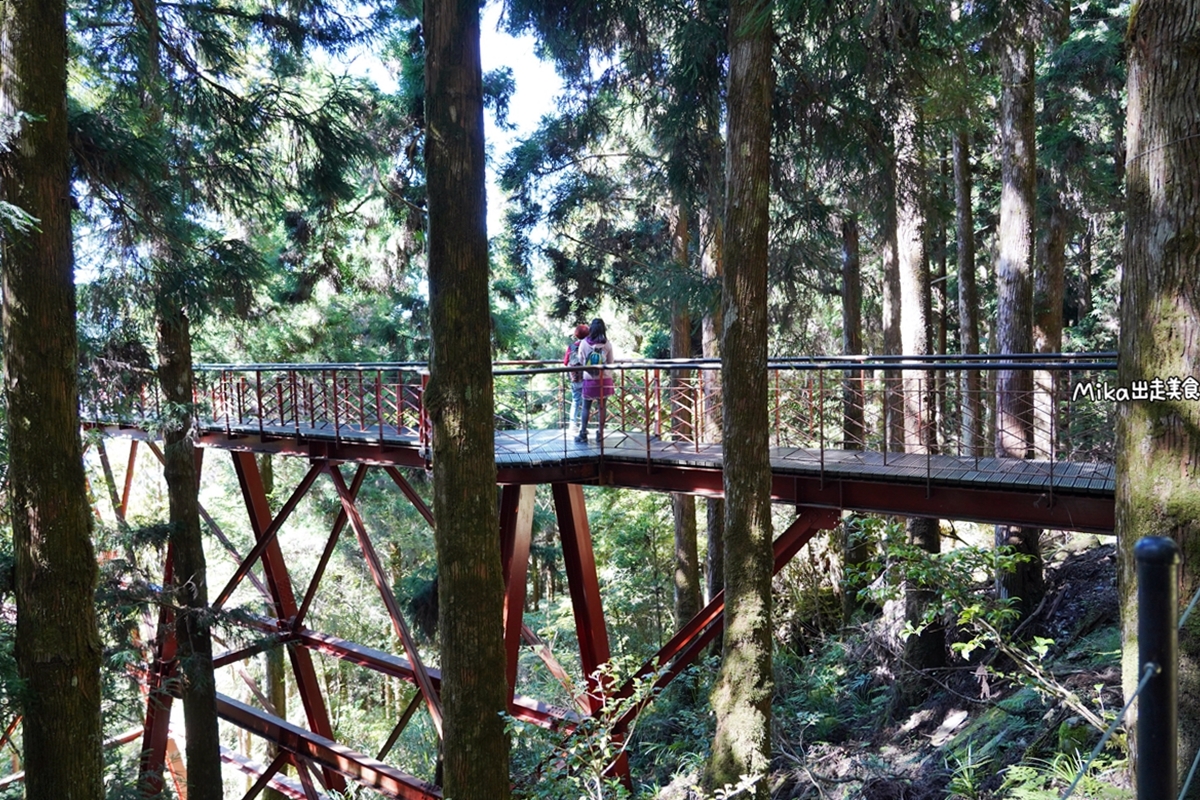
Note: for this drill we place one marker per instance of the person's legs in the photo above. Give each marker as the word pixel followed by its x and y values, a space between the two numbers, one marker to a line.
pixel 587 412
pixel 602 415
pixel 576 401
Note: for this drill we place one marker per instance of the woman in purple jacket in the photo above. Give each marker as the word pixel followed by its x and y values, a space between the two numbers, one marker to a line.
pixel 597 383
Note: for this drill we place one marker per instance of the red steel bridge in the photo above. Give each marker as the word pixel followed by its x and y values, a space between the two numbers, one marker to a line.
pixel 916 436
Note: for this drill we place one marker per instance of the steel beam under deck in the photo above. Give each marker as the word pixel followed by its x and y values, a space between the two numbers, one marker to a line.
pixel 524 708
pixel 1064 509
pixel 990 504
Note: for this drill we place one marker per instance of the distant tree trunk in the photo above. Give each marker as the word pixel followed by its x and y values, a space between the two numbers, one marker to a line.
pixel 855 549
pixel 275 675
pixel 925 650
pixel 203 748
pixel 913 267
pixel 893 344
pixel 1014 294
pixel 57 644
pixel 460 403
pixel 1085 272
pixel 712 265
pixel 745 685
pixel 1158 443
pixel 968 298
pixel 853 431
pixel 199 688
pixel 277 693
pixel 1048 287
pixel 939 255
pixel 683 506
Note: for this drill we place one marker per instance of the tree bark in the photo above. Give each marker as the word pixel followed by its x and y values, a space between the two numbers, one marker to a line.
pixel 971 388
pixel 742 696
pixel 1158 444
pixel 173 328
pixel 683 506
pixel 1048 287
pixel 712 265
pixel 925 650
pixel 203 749
pixel 853 429
pixel 1014 293
pixel 460 403
pixel 893 399
pixel 275 673
pixel 855 548
pixel 57 643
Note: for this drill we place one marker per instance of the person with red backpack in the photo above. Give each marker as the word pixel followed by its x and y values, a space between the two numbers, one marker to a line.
pixel 573 358
pixel 597 383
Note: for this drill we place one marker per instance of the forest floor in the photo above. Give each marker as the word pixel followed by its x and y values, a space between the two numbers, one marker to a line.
pixel 990 727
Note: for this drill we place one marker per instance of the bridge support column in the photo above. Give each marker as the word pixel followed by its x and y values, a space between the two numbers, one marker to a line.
pixel 516 536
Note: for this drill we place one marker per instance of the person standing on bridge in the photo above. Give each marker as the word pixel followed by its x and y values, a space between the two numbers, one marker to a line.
pixel 574 358
pixel 597 383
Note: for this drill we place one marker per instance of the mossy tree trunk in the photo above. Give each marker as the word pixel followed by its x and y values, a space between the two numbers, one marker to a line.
pixel 1158 443
pixel 742 696
pixel 460 403
pixel 57 646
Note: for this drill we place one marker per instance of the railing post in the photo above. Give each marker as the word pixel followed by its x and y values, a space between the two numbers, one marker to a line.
pixel 258 399
pixel 821 420
pixel 1158 643
pixel 379 401
pixel 337 419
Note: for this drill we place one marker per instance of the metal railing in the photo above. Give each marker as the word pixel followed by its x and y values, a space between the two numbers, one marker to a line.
pixel 1043 408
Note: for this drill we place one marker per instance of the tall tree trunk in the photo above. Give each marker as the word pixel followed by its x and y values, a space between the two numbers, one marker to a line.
pixel 57 646
pixel 683 506
pixel 1048 287
pixel 913 268
pixel 203 748
pixel 745 685
pixel 1014 294
pixel 971 387
pixel 460 403
pixel 853 429
pixel 1158 443
pixel 925 650
pixel 855 547
pixel 893 344
pixel 712 266
pixel 274 674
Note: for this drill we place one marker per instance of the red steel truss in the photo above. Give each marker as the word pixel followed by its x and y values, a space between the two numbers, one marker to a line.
pixel 321 763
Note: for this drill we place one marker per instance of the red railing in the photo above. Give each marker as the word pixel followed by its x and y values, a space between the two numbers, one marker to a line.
pixel 1053 410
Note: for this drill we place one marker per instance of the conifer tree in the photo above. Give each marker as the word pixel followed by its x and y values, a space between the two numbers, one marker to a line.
pixel 745 686
pixel 1157 442
pixel 57 643
pixel 459 400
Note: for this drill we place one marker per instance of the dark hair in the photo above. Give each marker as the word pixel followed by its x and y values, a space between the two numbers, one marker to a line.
pixel 597 334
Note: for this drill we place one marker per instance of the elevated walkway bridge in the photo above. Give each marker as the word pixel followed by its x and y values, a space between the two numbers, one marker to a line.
pixel 915 436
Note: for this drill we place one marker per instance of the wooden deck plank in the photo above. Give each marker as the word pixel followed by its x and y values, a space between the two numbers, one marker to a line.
pixel 556 447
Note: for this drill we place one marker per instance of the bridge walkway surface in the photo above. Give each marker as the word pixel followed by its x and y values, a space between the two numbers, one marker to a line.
pixel 836 429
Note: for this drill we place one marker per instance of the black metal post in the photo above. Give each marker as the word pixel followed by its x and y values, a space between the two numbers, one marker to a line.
pixel 1158 643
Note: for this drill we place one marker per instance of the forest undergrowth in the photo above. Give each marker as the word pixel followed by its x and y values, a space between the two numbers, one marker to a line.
pixel 1013 715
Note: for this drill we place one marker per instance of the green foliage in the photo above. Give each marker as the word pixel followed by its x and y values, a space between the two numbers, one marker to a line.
pixel 1047 780
pixel 574 767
